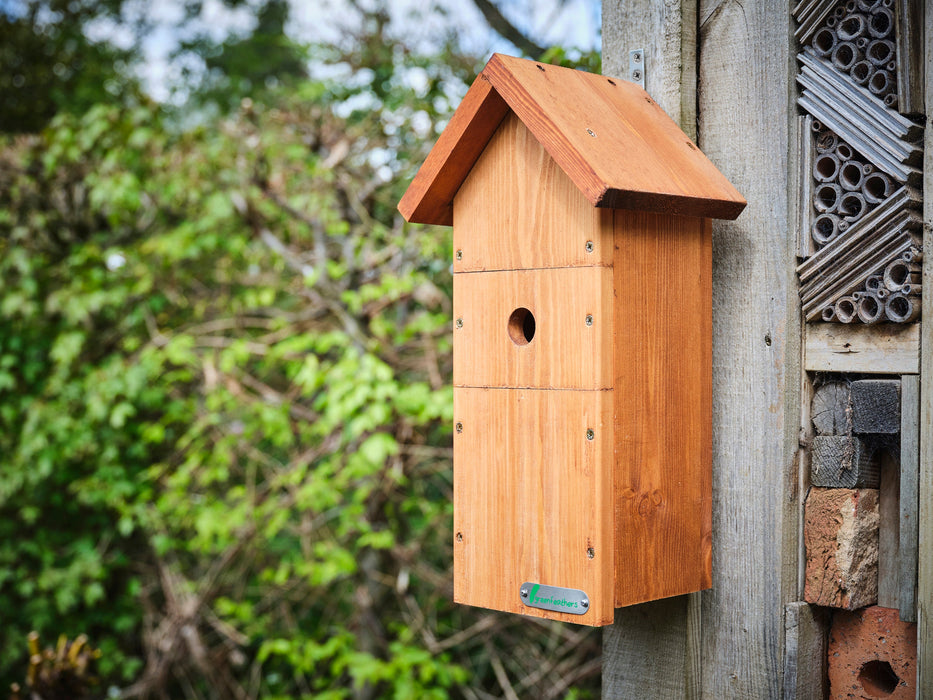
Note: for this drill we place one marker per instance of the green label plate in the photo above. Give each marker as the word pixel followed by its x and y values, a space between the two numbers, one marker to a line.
pixel 566 600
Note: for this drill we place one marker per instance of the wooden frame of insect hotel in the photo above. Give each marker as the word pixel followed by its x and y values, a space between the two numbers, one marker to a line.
pixel 582 341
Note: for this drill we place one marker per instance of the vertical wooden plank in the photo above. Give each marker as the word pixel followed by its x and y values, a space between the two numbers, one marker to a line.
pixel 910 468
pixel 663 393
pixel 666 31
pixel 925 481
pixel 745 116
pixel 805 657
pixel 644 653
pixel 889 540
pixel 653 648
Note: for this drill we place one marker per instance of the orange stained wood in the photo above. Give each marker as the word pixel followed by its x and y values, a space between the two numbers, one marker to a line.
pixel 517 209
pixel 533 498
pixel 570 345
pixel 663 405
pixel 608 136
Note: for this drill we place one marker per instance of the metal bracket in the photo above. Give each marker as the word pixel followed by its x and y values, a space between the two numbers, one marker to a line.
pixel 636 66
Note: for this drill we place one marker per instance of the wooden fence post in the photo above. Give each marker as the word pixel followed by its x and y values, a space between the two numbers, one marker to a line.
pixel 741 81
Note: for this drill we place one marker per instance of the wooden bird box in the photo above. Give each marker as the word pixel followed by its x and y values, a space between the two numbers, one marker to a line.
pixel 582 341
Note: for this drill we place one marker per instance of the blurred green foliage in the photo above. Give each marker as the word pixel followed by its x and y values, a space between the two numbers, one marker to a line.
pixel 225 400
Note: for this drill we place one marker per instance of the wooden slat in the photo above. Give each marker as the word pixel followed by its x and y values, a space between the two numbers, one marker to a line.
pixel 564 353
pixel 880 349
pixel 910 67
pixel 889 497
pixel 531 495
pixel 430 196
pixel 805 652
pixel 541 219
pixel 745 113
pixel 925 482
pixel 663 401
pixel 910 468
pixel 655 647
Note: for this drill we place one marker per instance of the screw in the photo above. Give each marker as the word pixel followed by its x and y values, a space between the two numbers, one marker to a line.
pixel 459 323
pixel 459 255
pixel 459 427
pixel 589 246
pixel 589 319
pixel 585 603
pixel 636 57
pixel 590 434
pixel 636 75
pixel 591 133
pixel 459 537
pixel 590 552
pixel 524 592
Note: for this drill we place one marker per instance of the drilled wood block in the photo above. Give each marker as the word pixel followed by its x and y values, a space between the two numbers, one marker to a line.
pixel 842 462
pixel 876 406
pixel 841 538
pixel 872 654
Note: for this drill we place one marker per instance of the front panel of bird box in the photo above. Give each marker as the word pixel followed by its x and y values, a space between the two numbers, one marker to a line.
pixel 533 372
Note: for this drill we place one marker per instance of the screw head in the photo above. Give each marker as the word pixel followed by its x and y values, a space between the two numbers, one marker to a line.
pixel 590 552
pixel 459 255
pixel 636 75
pixel 589 246
pixel 459 323
pixel 585 603
pixel 636 57
pixel 590 434
pixel 458 427
pixel 459 537
pixel 589 319
pixel 591 133
pixel 524 592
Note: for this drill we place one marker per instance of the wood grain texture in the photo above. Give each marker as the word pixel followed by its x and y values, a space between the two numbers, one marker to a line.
pixel 613 140
pixel 645 651
pixel 908 16
pixel 925 479
pixel 663 399
pixel 429 197
pixel 880 349
pixel 517 209
pixel 531 495
pixel 667 33
pixel 876 406
pixel 656 645
pixel 889 541
pixel 745 117
pixel 910 468
pixel 610 138
pixel 805 632
pixel 564 353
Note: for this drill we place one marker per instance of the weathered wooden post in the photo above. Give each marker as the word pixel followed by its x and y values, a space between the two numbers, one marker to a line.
pixel 582 341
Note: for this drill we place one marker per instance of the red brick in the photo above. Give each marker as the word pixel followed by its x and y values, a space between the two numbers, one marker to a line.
pixel 872 654
pixel 841 536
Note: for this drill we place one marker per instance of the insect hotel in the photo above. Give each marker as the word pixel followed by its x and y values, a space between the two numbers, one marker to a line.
pixel 581 221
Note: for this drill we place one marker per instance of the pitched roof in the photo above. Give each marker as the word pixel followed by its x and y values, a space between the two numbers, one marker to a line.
pixel 611 139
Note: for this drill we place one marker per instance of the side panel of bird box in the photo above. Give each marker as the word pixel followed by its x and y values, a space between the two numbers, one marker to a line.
pixel 518 210
pixel 663 405
pixel 547 328
pixel 533 498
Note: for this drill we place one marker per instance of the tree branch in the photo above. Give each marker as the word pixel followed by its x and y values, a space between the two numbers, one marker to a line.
pixel 504 28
